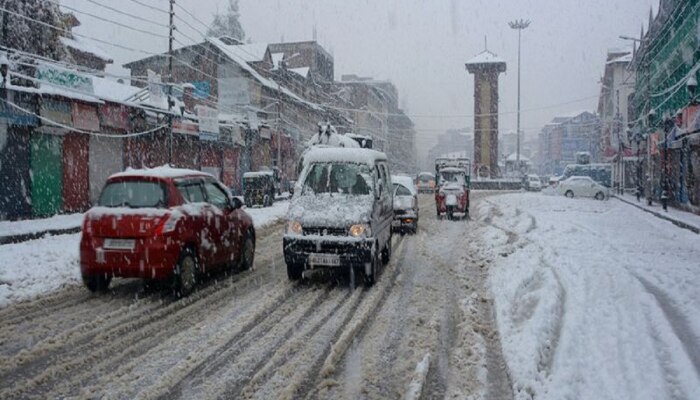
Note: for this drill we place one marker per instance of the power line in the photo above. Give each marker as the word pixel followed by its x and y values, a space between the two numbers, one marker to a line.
pixel 126 14
pixel 111 21
pixel 150 7
pixel 75 34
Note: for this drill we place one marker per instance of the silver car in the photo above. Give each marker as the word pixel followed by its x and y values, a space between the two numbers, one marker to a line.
pixel 405 204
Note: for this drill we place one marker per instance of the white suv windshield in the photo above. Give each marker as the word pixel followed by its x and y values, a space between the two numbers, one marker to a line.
pixel 341 178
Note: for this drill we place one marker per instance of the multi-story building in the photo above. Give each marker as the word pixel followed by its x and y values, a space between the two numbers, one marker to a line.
pixel 453 143
pixel 617 146
pixel 666 65
pixel 562 138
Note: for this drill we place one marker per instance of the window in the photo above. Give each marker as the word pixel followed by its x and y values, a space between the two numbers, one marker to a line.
pixel 191 191
pixel 216 195
pixel 401 190
pixel 134 194
pixel 345 178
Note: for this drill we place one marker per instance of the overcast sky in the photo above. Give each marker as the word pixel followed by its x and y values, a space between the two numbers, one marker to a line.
pixel 421 45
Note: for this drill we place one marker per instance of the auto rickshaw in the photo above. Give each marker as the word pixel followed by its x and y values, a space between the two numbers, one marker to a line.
pixel 259 188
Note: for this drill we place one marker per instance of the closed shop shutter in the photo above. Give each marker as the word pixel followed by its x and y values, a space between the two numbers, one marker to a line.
pixel 47 174
pixel 15 198
pixel 75 172
pixel 106 159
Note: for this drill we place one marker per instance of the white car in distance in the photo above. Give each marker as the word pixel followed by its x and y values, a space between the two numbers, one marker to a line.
pixel 582 186
pixel 533 183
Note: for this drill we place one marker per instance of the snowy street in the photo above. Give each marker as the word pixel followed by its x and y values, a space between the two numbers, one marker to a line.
pixel 578 307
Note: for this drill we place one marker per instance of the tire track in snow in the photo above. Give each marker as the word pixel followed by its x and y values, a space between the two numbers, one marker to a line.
pixel 380 332
pixel 34 370
pixel 677 321
pixel 246 354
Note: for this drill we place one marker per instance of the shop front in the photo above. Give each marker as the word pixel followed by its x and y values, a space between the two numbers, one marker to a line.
pixel 107 150
pixel 16 128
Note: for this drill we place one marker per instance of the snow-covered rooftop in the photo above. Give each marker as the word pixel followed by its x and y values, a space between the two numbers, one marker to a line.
pixel 83 45
pixel 253 52
pixel 235 57
pixel 485 57
pixel 303 71
pixel 514 157
pixel 622 59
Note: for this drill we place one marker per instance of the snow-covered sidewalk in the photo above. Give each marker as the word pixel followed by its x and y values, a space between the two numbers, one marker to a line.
pixel 43 265
pixel 594 300
pixel 679 217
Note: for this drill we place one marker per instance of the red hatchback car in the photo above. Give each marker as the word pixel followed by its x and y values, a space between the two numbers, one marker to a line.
pixel 164 224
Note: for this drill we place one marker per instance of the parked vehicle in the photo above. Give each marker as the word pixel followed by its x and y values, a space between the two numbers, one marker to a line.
pixel 164 224
pixel 259 188
pixel 582 186
pixel 405 204
pixel 425 182
pixel 533 183
pixel 340 216
pixel 601 173
pixel 453 183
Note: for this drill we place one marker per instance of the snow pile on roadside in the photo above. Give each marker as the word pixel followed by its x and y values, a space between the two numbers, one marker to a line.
pixel 594 299
pixel 50 263
pixel 38 266
pixel 68 221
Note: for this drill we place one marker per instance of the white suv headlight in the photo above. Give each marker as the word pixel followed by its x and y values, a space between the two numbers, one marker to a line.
pixel 360 230
pixel 294 228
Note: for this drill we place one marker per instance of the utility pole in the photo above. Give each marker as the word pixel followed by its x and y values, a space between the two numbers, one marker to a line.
pixel 170 83
pixel 520 25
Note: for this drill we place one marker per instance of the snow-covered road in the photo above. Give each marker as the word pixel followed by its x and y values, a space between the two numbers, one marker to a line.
pixel 536 296
pixel 595 300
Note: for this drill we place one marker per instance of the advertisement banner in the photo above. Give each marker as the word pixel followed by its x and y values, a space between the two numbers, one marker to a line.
pixel 233 93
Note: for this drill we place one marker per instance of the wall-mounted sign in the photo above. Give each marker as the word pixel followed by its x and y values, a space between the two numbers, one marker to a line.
pixel 66 78
pixel 233 93
pixel 15 116
pixel 155 88
pixel 114 116
pixel 56 110
pixel 185 127
pixel 202 89
pixel 85 117
pixel 208 123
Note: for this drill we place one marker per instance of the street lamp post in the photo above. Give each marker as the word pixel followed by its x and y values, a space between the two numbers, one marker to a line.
pixel 519 25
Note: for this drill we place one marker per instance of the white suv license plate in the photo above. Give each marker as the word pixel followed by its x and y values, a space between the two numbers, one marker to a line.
pixel 119 244
pixel 329 260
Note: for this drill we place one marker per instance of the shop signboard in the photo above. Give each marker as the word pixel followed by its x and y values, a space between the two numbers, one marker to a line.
pixel 185 127
pixel 15 116
pixel 115 116
pixel 57 111
pixel 208 123
pixel 85 117
pixel 155 88
pixel 65 78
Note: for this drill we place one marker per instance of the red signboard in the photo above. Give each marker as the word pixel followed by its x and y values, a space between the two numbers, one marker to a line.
pixel 85 117
pixel 655 143
pixel 186 127
pixel 115 116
